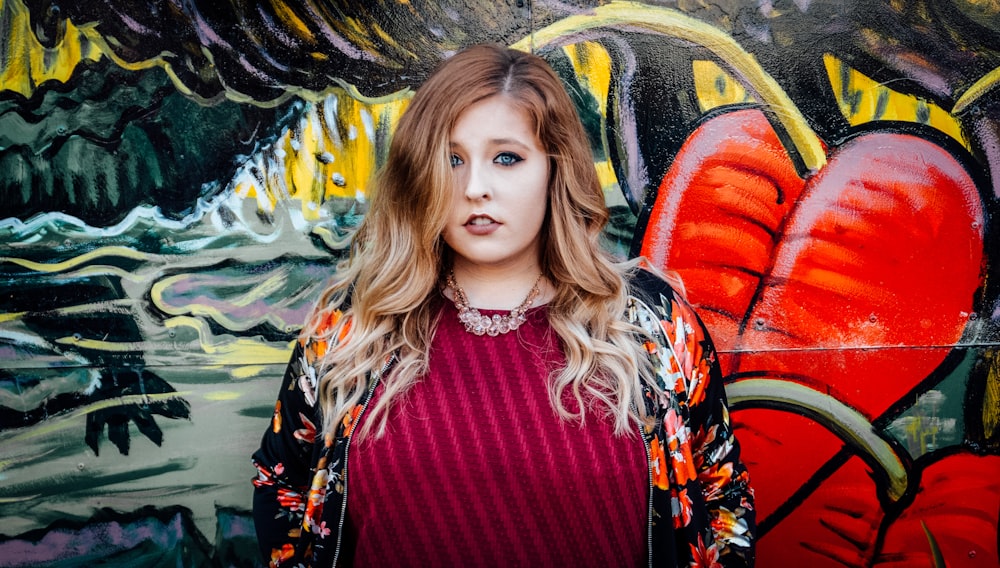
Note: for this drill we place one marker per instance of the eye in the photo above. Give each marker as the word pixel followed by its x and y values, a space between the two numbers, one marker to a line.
pixel 507 159
pixel 456 161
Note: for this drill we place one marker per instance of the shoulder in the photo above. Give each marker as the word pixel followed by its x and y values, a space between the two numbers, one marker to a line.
pixel 660 296
pixel 677 340
pixel 328 328
pixel 328 323
pixel 650 292
pixel 643 282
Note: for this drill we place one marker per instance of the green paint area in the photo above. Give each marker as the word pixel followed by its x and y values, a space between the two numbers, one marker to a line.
pixel 937 418
pixel 111 139
pixel 258 412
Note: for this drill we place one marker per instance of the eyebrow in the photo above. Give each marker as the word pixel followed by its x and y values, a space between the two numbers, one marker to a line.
pixel 500 142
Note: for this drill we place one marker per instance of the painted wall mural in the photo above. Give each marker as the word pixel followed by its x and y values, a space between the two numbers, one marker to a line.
pixel 178 179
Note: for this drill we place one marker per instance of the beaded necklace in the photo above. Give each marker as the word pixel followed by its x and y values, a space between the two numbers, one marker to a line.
pixel 479 324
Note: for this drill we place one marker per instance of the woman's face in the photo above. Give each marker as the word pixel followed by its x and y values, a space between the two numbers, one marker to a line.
pixel 501 178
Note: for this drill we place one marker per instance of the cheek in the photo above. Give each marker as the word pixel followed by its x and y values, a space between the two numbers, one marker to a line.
pixel 458 180
pixel 448 232
pixel 536 210
pixel 540 200
pixel 456 203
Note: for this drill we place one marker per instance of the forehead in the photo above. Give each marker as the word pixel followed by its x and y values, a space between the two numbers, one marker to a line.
pixel 493 118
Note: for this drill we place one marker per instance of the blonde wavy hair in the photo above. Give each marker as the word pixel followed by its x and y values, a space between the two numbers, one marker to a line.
pixel 398 256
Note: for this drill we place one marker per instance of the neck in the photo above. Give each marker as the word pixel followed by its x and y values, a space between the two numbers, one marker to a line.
pixel 491 288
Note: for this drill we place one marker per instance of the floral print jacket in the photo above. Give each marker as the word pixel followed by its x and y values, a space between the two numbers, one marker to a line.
pixel 701 508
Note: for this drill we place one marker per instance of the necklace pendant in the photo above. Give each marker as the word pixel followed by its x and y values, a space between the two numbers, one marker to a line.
pixel 494 328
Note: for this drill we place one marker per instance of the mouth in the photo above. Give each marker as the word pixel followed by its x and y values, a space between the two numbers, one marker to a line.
pixel 475 220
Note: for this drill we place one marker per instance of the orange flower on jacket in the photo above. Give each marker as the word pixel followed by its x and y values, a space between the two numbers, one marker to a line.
pixel 715 478
pixel 351 420
pixel 279 555
pixel 680 504
pixel 264 477
pixel 698 381
pixel 276 420
pixel 318 348
pixel 658 464
pixel 307 433
pixel 317 498
pixel 680 447
pixel 730 528
pixel 703 439
pixel 291 500
pixel 703 557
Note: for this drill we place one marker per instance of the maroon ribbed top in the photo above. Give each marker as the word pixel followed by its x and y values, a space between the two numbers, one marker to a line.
pixel 476 469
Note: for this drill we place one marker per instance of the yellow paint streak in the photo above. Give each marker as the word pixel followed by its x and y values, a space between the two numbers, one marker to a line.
pixel 29 63
pixel 123 305
pixel 360 36
pixel 991 398
pixel 863 100
pixel 8 500
pixel 983 85
pixel 673 23
pixel 250 371
pixel 99 345
pixel 305 173
pixel 272 284
pixel 158 61
pixel 592 66
pixel 227 351
pixel 292 20
pixel 386 39
pixel 87 308
pixel 715 88
pixel 119 251
pixel 222 395
pixel 104 270
pixel 606 173
pixel 12 316
pixel 232 352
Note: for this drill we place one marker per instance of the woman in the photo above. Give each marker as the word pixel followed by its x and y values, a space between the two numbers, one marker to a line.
pixel 503 393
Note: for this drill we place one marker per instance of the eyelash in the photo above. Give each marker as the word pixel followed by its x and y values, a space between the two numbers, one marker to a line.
pixel 514 158
pixel 505 159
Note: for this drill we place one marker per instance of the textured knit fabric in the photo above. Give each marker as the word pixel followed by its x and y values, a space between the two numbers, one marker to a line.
pixel 476 468
pixel 702 505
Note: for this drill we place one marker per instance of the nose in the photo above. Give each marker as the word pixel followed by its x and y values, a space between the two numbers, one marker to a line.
pixel 478 183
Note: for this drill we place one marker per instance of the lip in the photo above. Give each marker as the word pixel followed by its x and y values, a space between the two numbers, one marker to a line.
pixel 481 229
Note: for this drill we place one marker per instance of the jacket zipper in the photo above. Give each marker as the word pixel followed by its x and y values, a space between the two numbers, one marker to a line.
pixel 347 448
pixel 649 461
pixel 649 495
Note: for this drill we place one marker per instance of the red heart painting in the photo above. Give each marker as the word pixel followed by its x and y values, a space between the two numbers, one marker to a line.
pixel 855 282
pixel 880 249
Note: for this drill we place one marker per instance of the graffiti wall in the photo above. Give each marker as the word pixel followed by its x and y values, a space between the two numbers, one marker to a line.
pixel 178 180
